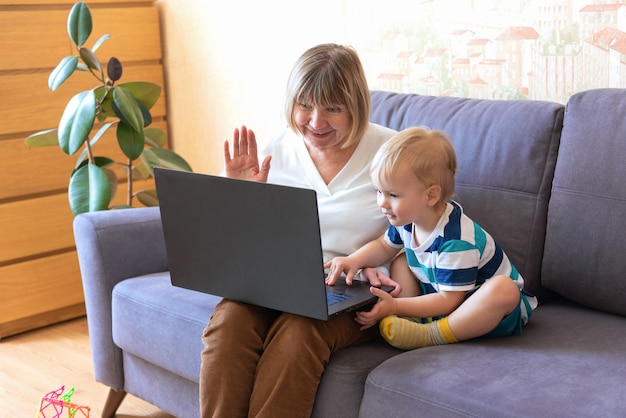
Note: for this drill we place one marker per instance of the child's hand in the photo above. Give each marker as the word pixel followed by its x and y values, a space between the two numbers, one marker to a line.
pixel 377 278
pixel 339 265
pixel 384 307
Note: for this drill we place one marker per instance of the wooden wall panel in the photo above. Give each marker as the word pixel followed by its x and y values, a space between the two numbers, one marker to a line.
pixel 35 226
pixel 134 33
pixel 37 286
pixel 39 276
pixel 39 39
pixel 40 43
pixel 40 292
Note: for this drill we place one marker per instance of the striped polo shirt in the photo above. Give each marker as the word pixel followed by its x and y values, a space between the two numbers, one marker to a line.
pixel 458 255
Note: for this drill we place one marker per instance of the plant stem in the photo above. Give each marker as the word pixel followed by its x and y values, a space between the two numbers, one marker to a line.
pixel 129 183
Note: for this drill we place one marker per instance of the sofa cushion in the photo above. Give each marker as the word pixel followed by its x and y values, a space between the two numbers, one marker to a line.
pixel 506 155
pixel 160 323
pixel 584 251
pixel 553 369
pixel 340 391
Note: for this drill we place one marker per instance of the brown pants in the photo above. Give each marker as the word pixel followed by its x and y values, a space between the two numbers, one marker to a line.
pixel 263 363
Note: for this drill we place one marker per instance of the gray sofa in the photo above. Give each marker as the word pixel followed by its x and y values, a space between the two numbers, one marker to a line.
pixel 548 181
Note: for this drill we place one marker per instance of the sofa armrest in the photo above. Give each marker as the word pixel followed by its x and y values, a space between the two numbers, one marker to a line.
pixel 112 246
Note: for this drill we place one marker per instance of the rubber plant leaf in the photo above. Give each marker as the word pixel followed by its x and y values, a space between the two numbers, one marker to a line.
pixel 112 177
pixel 79 23
pixel 104 163
pixel 145 92
pixel 89 190
pixel 90 59
pixel 149 160
pixel 170 159
pixel 114 69
pixel 99 42
pixel 131 142
pixel 127 109
pixel 145 114
pixel 77 121
pixel 43 139
pixel 148 197
pixel 155 137
pixel 141 170
pixel 62 71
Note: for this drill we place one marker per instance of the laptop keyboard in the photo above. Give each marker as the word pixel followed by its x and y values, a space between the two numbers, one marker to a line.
pixel 335 297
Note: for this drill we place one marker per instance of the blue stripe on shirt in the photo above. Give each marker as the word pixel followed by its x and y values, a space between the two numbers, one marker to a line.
pixel 458 277
pixel 489 270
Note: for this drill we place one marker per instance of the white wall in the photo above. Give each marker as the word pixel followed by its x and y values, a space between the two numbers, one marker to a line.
pixel 227 63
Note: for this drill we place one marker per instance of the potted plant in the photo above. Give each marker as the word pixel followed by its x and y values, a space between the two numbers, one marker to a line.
pixel 125 106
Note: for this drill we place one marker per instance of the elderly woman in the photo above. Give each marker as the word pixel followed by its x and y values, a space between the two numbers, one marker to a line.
pixel 265 363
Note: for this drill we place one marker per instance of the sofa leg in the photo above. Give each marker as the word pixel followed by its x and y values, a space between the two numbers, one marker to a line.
pixel 114 399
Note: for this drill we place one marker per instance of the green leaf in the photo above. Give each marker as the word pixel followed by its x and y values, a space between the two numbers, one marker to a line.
pixel 77 121
pixel 43 139
pixel 155 137
pixel 141 170
pixel 99 42
pixel 93 142
pixel 145 92
pixel 149 160
pixel 79 23
pixel 148 197
pixel 104 163
pixel 145 114
pixel 89 190
pixel 112 177
pixel 170 159
pixel 131 141
pixel 90 59
pixel 127 109
pixel 62 71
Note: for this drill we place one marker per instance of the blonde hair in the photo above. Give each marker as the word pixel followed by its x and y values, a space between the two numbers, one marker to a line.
pixel 330 74
pixel 429 155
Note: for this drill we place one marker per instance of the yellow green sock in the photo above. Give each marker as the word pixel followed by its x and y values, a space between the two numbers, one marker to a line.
pixel 406 334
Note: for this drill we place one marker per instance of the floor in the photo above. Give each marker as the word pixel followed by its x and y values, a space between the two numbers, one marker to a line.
pixel 37 362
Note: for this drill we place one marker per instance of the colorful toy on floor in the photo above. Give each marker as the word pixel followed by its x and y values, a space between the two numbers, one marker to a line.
pixel 53 403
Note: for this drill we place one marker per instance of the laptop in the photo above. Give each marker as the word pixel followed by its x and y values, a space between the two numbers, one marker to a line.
pixel 252 242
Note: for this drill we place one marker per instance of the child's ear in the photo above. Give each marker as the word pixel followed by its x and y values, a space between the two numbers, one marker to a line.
pixel 433 195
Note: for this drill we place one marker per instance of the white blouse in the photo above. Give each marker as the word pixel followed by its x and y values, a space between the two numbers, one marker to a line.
pixel 349 215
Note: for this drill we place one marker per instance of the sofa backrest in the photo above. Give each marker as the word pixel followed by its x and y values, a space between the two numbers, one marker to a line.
pixel 585 257
pixel 506 153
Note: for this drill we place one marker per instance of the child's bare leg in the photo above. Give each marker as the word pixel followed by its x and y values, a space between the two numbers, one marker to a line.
pixel 400 273
pixel 484 310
